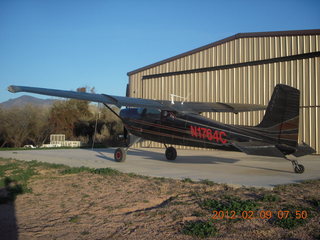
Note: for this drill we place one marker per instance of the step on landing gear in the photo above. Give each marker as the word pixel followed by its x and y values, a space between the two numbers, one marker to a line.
pixel 298 168
pixel 171 153
pixel 120 154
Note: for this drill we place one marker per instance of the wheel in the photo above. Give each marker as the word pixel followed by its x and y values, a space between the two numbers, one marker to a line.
pixel 299 168
pixel 171 153
pixel 120 155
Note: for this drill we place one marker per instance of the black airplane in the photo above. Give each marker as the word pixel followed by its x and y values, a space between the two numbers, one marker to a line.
pixel 180 123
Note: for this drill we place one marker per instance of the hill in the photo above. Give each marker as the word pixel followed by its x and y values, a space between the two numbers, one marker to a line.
pixel 27 100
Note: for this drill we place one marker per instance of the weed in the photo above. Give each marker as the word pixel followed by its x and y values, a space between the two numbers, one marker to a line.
pixel 270 198
pixel 187 180
pixel 207 182
pixel 199 229
pixel 46 165
pixel 100 171
pixel 106 171
pixel 73 170
pixel 229 204
pixel 198 214
pixel 109 208
pixel 132 175
pixel 280 188
pixel 161 179
pixel 74 219
pixel 6 167
pixel 84 233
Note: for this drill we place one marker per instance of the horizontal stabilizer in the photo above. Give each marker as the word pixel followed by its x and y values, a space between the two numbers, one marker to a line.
pixel 303 149
pixel 258 148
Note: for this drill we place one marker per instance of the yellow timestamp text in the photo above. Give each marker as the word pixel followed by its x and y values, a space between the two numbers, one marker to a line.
pixel 261 214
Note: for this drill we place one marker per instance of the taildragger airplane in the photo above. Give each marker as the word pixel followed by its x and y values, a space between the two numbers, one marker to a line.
pixel 180 123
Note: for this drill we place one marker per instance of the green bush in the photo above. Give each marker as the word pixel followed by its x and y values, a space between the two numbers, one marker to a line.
pixel 100 171
pixel 229 203
pixel 200 229
pixel 270 198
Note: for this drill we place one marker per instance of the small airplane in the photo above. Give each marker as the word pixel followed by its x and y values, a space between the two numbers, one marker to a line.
pixel 180 123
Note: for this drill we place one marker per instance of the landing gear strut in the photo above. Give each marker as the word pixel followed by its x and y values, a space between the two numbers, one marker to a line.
pixel 120 154
pixel 171 153
pixel 298 168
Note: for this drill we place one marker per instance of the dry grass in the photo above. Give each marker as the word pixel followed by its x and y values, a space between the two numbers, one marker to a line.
pixel 89 204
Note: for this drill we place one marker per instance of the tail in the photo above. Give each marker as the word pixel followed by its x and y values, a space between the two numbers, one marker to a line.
pixel 281 119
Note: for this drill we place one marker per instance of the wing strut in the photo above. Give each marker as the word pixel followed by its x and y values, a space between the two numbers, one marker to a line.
pixel 113 111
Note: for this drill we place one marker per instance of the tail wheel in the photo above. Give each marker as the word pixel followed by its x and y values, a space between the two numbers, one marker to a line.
pixel 171 153
pixel 299 168
pixel 120 155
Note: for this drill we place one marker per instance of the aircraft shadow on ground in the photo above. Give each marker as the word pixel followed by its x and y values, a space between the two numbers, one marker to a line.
pixel 268 169
pixel 157 156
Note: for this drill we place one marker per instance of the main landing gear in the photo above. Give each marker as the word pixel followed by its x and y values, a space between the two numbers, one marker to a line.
pixel 120 154
pixel 171 153
pixel 298 168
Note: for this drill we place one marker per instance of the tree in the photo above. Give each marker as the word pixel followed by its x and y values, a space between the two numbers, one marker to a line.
pixel 64 115
pixel 22 126
pixel 106 124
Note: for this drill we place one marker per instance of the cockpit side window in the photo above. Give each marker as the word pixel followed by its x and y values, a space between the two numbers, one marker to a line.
pixel 149 112
pixel 153 111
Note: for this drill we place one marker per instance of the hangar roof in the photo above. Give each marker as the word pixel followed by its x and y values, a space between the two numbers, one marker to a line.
pixel 236 36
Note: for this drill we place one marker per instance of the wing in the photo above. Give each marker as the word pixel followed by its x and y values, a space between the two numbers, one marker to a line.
pixel 102 98
pixel 195 107
pixel 199 107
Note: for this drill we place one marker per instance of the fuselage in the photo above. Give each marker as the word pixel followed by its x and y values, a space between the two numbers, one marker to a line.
pixel 186 129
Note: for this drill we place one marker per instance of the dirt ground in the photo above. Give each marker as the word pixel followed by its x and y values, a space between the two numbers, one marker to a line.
pixel 91 205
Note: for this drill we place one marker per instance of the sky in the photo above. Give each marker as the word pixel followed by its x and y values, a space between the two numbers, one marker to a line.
pixel 66 44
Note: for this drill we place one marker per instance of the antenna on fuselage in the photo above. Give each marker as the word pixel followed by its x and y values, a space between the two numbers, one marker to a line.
pixel 172 98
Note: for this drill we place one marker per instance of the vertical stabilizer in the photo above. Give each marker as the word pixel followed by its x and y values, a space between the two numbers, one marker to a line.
pixel 282 115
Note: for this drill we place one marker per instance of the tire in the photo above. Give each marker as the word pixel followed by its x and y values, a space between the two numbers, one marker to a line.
pixel 120 155
pixel 171 153
pixel 299 168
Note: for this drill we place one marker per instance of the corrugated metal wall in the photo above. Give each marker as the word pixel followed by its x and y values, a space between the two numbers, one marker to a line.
pixel 246 84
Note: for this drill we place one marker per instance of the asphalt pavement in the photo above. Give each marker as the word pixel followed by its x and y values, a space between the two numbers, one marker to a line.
pixel 233 168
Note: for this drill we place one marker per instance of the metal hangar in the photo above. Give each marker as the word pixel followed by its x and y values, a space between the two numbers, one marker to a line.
pixel 243 68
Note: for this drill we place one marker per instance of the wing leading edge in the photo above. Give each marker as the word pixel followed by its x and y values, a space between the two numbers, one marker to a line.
pixel 92 97
pixel 195 107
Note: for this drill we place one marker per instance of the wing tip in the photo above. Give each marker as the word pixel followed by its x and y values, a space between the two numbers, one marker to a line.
pixel 13 89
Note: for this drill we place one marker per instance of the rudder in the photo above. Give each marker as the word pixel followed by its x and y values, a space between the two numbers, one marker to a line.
pixel 282 115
